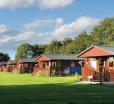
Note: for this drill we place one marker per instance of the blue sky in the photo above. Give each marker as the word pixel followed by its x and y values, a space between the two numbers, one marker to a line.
pixel 40 21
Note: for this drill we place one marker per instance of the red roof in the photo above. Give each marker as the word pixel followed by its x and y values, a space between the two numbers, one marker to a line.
pixel 96 51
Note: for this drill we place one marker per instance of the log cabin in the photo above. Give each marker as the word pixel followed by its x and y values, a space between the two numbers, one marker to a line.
pixel 3 66
pixel 11 66
pixel 25 65
pixel 58 65
pixel 98 63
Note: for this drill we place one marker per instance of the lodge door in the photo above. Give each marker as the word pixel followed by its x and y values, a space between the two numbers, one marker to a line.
pixel 101 65
pixel 102 70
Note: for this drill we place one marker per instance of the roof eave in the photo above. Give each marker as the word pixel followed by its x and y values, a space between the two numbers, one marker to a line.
pixel 85 51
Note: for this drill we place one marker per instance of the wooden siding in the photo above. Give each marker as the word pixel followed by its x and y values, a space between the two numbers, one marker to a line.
pixel 86 70
pixel 42 58
pixel 25 67
pixel 53 67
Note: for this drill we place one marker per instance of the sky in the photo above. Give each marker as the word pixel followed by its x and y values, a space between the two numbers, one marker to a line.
pixel 41 21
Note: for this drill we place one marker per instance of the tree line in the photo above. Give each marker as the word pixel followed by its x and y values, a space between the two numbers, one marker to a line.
pixel 4 57
pixel 102 34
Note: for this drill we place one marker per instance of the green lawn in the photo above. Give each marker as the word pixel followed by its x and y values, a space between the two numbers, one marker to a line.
pixel 28 89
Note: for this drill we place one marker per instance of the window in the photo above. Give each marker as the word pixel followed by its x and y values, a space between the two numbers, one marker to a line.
pixel 101 62
pixel 58 63
pixel 93 63
pixel 72 64
pixel 47 63
pixel 43 65
pixel 111 61
pixel 25 65
pixel 54 64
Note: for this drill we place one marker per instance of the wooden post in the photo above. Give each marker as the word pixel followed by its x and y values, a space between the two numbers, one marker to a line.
pixel 100 75
pixel 50 68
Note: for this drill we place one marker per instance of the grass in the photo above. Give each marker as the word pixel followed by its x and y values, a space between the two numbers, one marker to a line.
pixel 27 89
pixel 28 79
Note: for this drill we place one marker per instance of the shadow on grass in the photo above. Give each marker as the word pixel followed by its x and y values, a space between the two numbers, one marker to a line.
pixel 56 94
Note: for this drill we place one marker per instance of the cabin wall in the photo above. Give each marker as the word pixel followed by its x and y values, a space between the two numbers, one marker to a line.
pixel 43 63
pixel 7 68
pixel 65 67
pixel 86 70
pixel 25 67
pixel 11 67
pixel 55 67
pixel 108 73
pixel 41 68
pixel 110 70
pixel 3 68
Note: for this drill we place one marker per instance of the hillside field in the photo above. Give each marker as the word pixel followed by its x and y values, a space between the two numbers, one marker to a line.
pixel 29 89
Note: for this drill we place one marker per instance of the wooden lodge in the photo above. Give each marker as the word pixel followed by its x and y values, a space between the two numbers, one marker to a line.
pixel 11 66
pixel 3 66
pixel 98 63
pixel 56 65
pixel 26 65
pixel 8 66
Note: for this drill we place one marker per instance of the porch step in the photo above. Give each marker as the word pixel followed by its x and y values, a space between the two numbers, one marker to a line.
pixel 96 79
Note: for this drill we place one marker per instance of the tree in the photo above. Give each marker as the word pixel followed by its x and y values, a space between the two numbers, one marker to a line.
pixel 67 41
pixel 54 47
pixel 4 57
pixel 80 43
pixel 103 34
pixel 24 51
pixel 38 50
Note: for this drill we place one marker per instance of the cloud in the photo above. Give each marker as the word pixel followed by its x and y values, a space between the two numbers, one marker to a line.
pixel 30 33
pixel 77 26
pixel 17 3
pixel 31 36
pixel 25 36
pixel 47 4
pixel 43 23
pixel 3 28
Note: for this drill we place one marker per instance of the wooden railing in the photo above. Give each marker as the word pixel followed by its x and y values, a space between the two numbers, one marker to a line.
pixel 96 76
pixel 102 76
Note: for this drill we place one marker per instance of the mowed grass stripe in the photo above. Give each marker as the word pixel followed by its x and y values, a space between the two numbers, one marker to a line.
pixel 23 79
